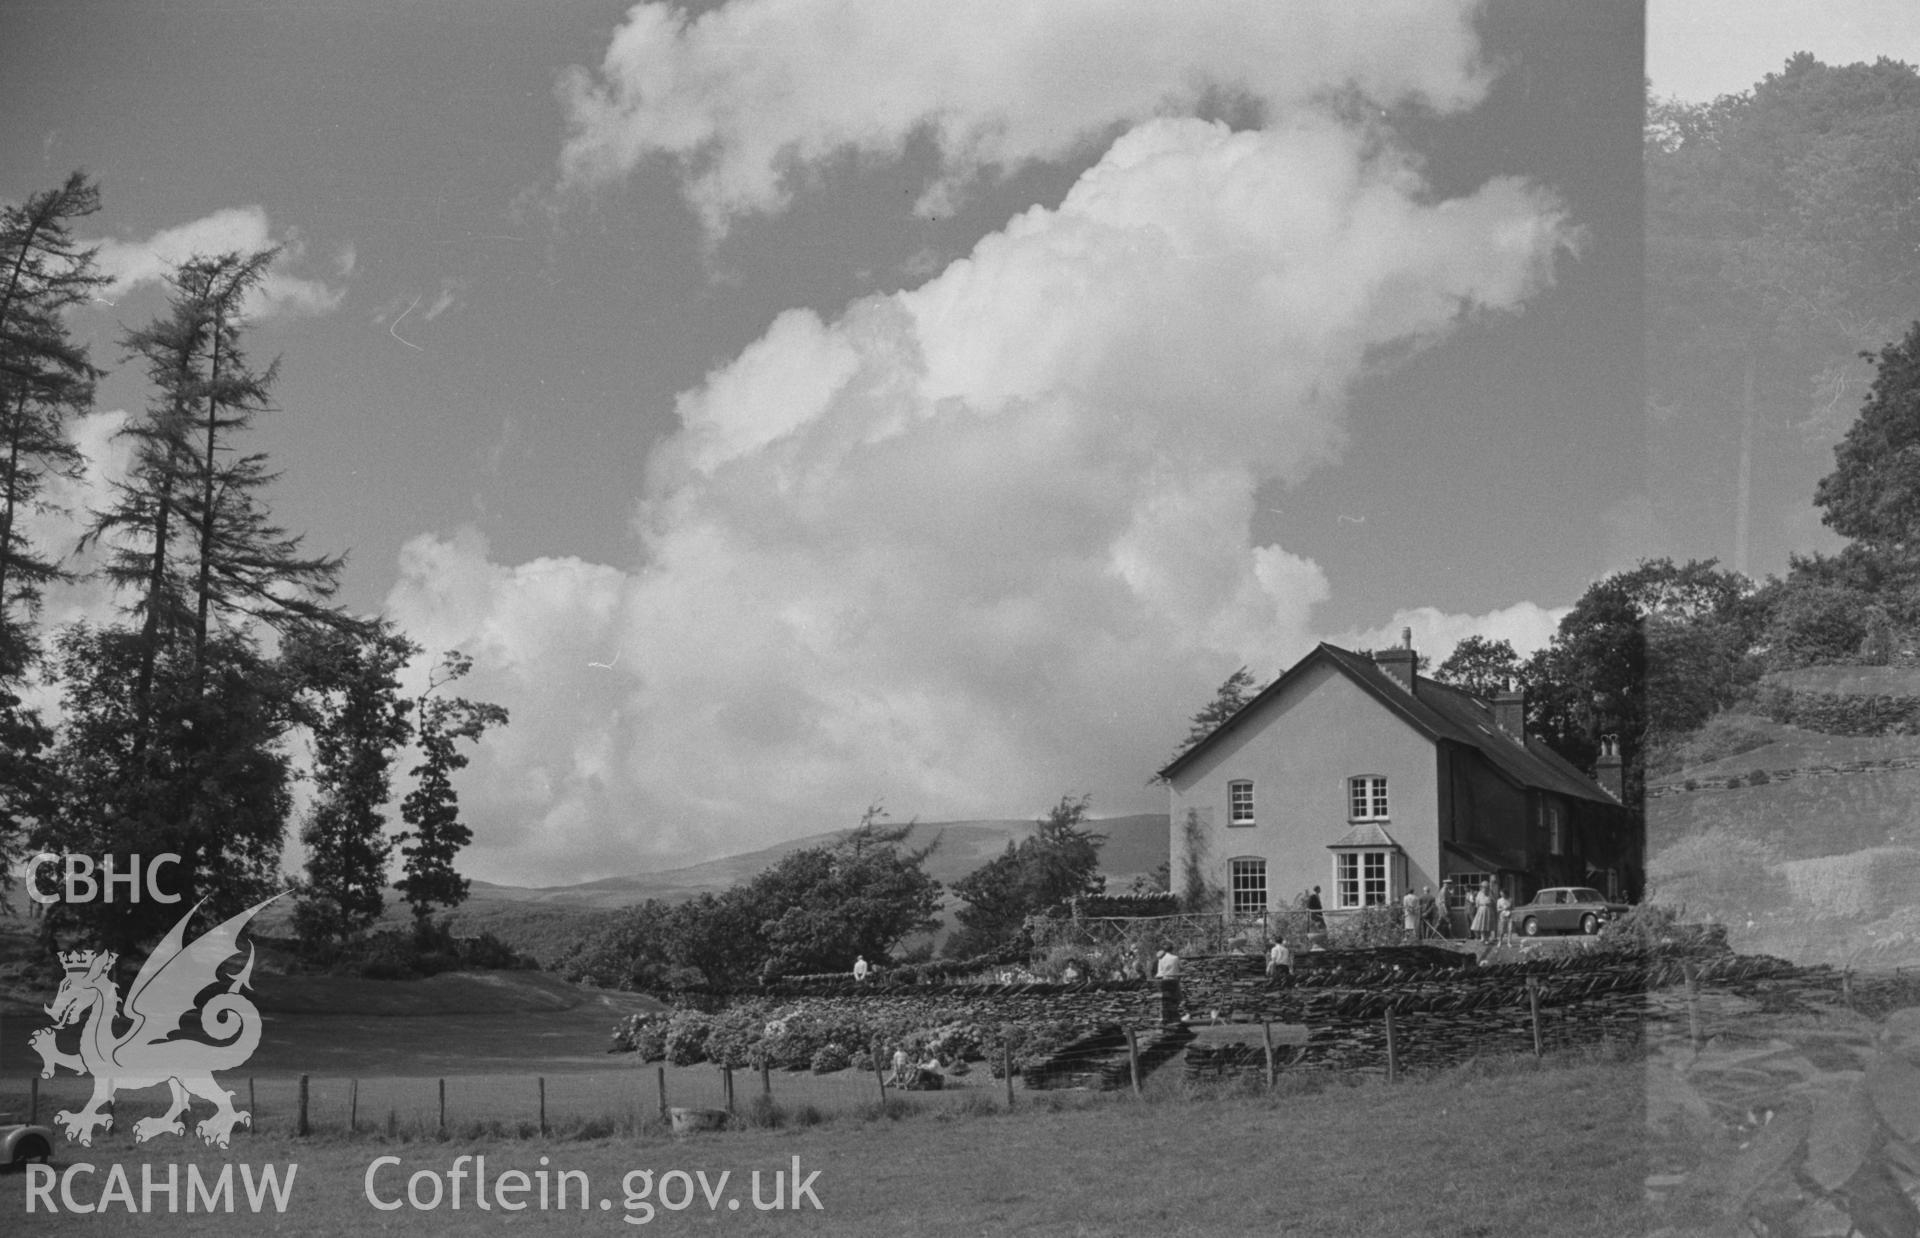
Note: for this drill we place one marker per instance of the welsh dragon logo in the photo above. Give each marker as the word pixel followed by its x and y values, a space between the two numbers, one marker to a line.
pixel 156 1048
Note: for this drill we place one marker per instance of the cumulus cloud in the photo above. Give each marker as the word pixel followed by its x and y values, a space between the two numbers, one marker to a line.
pixel 1526 626
pixel 750 96
pixel 973 544
pixel 244 229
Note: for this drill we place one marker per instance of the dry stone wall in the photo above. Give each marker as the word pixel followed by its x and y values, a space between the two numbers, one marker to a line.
pixel 1446 1010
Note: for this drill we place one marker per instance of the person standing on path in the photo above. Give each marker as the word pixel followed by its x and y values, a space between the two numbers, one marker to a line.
pixel 1410 911
pixel 1279 959
pixel 1505 908
pixel 1481 904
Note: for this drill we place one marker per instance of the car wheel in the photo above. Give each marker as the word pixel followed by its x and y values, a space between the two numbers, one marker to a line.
pixel 1531 927
pixel 32 1148
pixel 1589 924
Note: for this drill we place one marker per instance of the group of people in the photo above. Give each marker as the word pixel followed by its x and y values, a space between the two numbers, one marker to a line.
pixel 914 1073
pixel 1426 915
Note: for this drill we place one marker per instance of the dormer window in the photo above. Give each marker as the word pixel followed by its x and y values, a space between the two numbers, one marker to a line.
pixel 1367 798
pixel 1240 802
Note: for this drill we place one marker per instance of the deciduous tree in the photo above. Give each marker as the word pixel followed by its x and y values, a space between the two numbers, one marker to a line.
pixel 1873 493
pixel 1059 860
pixel 863 895
pixel 1480 666
pixel 1782 223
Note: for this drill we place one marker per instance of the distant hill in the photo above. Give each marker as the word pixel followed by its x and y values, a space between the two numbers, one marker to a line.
pixel 1135 845
pixel 546 922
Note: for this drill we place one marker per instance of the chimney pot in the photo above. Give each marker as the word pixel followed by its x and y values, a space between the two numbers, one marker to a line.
pixel 1399 664
pixel 1609 771
pixel 1510 713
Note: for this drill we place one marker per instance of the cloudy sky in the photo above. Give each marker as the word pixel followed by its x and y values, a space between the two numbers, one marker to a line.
pixel 794 405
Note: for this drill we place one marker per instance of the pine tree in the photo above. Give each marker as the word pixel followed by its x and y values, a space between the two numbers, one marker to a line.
pixel 246 564
pixel 189 532
pixel 359 722
pixel 176 727
pixel 45 380
pixel 435 834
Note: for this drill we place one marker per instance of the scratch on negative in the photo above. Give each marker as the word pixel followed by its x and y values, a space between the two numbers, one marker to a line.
pixel 396 322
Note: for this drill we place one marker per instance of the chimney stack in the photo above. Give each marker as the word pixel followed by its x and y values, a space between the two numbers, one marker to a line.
pixel 1399 663
pixel 1607 771
pixel 1510 712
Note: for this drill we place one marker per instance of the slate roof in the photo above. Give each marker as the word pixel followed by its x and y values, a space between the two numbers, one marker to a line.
pixel 1436 711
pixel 1364 834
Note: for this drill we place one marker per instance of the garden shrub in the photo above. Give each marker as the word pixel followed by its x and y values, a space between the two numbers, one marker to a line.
pixel 830 1058
pixel 1370 926
pixel 686 1040
pixel 644 1034
pixel 734 1038
pixel 1839 713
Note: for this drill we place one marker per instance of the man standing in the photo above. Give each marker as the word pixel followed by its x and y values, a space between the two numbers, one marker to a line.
pixel 1313 905
pixel 1168 974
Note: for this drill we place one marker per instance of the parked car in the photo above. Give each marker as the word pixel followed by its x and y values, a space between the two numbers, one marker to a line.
pixel 1566 909
pixel 21 1142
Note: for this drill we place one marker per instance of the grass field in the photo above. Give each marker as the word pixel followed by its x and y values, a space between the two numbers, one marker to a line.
pixel 1489 1149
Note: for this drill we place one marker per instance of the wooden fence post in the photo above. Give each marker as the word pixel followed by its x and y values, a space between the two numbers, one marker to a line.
pixel 1133 1061
pixel 873 1053
pixel 1393 1060
pixel 726 1086
pixel 1006 1064
pixel 766 1079
pixel 543 1104
pixel 1533 1006
pixel 663 1093
pixel 1693 1004
pixel 301 1129
pixel 1266 1033
pixel 353 1105
pixel 443 1106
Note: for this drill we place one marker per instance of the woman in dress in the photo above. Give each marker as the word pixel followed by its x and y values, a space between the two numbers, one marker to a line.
pixel 1481 902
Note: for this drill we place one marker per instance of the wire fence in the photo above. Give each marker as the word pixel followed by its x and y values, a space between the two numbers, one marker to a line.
pixel 1108 1058
pixel 611 1100
pixel 1415 1024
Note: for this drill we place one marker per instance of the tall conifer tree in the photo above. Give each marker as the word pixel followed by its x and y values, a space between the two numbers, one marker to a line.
pixel 45 380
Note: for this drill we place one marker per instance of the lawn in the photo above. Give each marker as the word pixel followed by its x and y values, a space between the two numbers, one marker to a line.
pixel 1487 1149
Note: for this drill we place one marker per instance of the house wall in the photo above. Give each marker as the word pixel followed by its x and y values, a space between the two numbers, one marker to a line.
pixel 1488 813
pixel 1299 750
